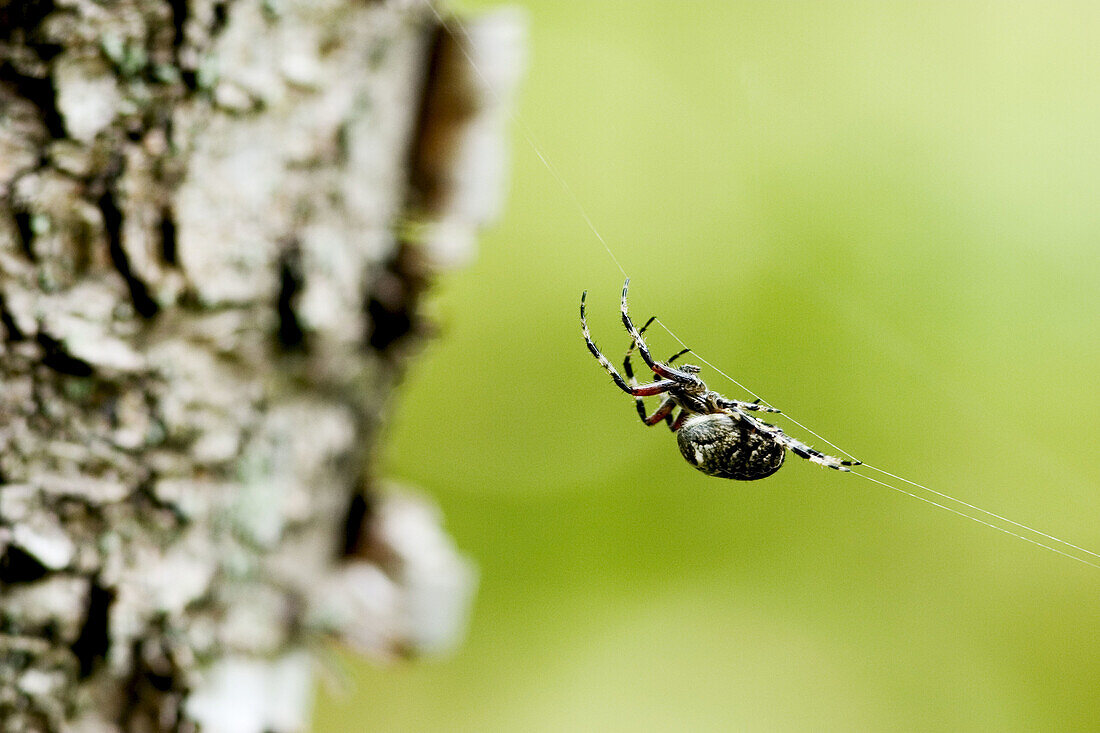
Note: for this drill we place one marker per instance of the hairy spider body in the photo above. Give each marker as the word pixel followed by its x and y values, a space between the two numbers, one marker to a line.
pixel 722 447
pixel 716 434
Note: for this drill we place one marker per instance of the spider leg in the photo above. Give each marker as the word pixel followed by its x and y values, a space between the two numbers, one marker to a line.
pixel 661 370
pixel 797 447
pixel 630 351
pixel 638 390
pixel 677 355
pixel 662 413
pixel 726 402
pixel 627 368
pixel 679 421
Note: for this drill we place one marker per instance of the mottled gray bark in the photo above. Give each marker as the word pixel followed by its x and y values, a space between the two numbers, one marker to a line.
pixel 204 311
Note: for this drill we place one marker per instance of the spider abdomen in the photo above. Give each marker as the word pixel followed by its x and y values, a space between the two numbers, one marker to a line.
pixel 718 445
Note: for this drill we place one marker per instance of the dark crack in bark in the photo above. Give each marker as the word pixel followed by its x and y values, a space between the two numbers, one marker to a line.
pixel 393 305
pixel 291 279
pixel 19 566
pixel 55 356
pixel 112 225
pixel 94 641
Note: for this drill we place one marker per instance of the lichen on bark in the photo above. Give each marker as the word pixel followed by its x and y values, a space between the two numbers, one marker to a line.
pixel 204 312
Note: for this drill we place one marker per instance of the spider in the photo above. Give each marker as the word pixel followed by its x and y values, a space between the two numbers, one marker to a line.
pixel 716 434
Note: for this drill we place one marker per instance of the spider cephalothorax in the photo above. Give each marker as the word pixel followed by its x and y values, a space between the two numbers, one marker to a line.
pixel 716 434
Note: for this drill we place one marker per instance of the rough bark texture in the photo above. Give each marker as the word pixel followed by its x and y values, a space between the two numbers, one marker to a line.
pixel 204 311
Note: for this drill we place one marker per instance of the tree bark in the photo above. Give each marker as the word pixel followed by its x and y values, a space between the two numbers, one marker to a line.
pixel 216 221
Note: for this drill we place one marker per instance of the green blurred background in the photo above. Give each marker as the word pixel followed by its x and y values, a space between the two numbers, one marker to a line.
pixel 883 218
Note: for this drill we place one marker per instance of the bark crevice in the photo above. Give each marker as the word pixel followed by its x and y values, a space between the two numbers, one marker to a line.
pixel 93 643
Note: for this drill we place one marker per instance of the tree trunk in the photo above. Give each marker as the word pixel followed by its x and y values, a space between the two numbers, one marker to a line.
pixel 205 310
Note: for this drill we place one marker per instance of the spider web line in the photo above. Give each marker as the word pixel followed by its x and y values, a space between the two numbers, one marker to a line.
pixel 529 137
pixel 978 509
pixel 986 512
pixel 983 522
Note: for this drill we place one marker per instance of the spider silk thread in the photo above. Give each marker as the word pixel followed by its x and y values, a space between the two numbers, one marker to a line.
pixel 529 137
pixel 901 478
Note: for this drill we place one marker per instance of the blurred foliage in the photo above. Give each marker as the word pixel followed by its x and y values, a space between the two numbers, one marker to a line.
pixel 883 218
